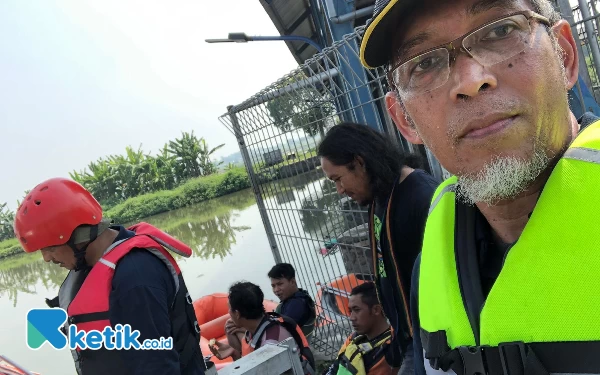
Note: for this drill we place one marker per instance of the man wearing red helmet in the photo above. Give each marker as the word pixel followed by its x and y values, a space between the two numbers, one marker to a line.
pixel 117 275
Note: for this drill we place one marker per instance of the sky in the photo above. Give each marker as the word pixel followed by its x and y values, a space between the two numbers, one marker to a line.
pixel 82 79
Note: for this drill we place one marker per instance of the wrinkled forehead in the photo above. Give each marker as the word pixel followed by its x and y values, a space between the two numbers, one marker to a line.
pixel 432 22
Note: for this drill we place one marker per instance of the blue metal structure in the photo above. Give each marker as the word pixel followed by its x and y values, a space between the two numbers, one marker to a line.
pixel 350 66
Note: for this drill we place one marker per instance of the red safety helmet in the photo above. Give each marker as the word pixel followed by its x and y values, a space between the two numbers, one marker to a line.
pixel 51 211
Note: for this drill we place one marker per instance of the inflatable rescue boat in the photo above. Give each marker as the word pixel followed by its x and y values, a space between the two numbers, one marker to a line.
pixel 212 312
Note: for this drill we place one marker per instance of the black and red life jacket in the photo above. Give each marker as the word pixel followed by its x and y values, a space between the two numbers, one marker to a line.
pixel 86 299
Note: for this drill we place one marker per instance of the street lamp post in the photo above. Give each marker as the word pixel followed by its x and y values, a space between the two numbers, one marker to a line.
pixel 243 38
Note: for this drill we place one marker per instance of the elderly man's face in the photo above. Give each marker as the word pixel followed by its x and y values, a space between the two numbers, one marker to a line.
pixel 484 121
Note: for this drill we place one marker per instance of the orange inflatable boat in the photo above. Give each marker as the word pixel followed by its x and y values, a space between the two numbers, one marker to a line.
pixel 332 298
pixel 212 312
pixel 8 367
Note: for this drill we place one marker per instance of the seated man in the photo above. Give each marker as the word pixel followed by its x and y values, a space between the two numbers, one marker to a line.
pixel 369 350
pixel 295 302
pixel 250 327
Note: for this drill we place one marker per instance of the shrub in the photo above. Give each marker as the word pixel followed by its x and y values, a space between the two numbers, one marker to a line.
pixel 193 191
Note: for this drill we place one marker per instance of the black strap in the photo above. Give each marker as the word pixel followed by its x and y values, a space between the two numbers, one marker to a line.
pixel 518 358
pixel 190 350
pixel 52 303
pixel 89 317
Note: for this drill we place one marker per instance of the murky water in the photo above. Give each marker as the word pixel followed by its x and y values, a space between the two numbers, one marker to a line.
pixel 229 244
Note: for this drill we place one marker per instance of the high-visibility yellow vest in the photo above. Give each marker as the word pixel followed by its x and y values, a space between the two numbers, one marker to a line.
pixel 543 311
pixel 350 357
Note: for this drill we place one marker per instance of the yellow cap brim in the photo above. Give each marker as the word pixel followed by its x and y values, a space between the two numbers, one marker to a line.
pixel 376 45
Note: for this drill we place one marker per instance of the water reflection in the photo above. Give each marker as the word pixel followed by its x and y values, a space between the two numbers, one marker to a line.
pixel 30 270
pixel 205 227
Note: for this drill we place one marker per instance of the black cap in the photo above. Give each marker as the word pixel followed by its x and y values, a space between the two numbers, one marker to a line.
pixel 376 45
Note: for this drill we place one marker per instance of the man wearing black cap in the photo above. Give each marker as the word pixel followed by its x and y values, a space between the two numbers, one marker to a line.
pixel 508 279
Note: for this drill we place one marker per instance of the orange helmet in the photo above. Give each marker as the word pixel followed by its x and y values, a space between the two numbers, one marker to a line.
pixel 51 211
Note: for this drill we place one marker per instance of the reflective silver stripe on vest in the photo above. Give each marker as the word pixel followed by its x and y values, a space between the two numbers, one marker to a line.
pixel 169 266
pixel 107 263
pixel 449 188
pixel 113 245
pixel 167 246
pixel 583 154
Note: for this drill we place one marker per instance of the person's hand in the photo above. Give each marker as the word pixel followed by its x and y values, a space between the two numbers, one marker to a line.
pixel 221 350
pixel 232 329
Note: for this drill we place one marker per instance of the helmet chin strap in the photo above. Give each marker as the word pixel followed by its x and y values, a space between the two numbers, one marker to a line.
pixel 80 262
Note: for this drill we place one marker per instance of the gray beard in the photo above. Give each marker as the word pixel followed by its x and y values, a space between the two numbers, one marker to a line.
pixel 501 179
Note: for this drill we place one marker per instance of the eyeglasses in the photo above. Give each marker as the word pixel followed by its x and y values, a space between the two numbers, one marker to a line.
pixel 489 44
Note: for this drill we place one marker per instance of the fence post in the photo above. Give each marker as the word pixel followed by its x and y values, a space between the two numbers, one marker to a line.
pixel 591 36
pixel 254 182
pixel 567 13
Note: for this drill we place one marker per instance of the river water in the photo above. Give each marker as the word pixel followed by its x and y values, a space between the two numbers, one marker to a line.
pixel 229 244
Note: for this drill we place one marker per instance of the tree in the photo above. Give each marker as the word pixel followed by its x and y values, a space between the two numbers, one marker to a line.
pixel 115 178
pixel 7 217
pixel 304 108
pixel 187 150
pixel 207 166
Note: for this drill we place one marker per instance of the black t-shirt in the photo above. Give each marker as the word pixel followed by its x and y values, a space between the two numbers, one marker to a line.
pixel 410 207
pixel 299 308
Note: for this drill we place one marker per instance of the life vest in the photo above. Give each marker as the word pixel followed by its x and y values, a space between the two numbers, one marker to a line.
pixel 272 318
pixel 309 326
pixel 542 313
pixel 86 299
pixel 351 356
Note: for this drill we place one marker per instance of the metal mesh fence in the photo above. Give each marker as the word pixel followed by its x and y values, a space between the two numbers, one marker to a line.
pixel 583 15
pixel 586 22
pixel 324 235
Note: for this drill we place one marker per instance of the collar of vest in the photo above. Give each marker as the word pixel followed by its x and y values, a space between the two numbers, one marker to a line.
pixel 365 345
pixel 164 239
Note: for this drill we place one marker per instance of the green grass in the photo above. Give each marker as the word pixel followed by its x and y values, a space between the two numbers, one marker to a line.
pixel 9 248
pixel 18 259
pixel 194 191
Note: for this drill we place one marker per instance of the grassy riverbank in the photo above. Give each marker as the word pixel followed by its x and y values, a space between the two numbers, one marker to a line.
pixel 194 191
pixel 9 248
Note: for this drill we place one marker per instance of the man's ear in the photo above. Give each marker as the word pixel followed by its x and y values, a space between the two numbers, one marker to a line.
pixel 360 161
pixel 377 309
pixel 570 57
pixel 397 114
